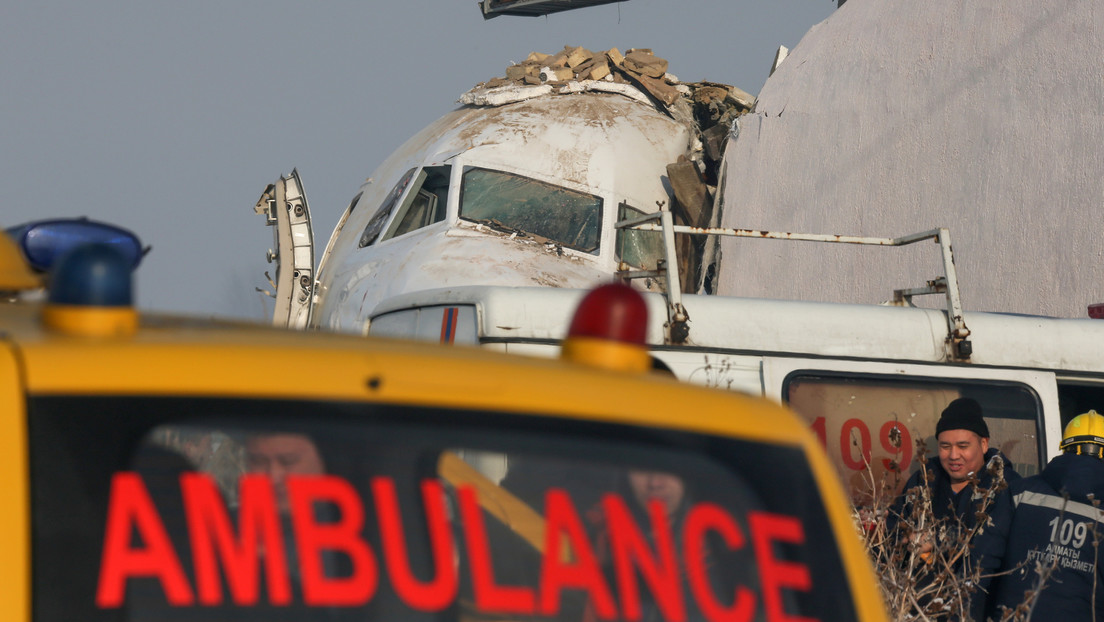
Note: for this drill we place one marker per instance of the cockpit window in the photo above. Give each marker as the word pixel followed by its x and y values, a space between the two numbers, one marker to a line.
pixel 532 209
pixel 380 218
pixel 640 249
pixel 425 203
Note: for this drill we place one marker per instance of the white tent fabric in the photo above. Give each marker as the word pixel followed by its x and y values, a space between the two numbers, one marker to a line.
pixel 895 116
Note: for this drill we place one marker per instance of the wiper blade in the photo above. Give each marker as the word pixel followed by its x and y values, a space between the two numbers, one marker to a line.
pixel 497 225
pixel 501 227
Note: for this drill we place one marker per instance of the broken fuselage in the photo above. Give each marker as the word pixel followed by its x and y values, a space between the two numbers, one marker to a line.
pixel 521 193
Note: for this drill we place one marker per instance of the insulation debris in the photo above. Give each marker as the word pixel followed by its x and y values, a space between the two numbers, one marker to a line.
pixel 707 108
pixel 577 69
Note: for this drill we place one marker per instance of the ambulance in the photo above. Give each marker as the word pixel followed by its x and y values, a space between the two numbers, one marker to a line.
pixel 173 468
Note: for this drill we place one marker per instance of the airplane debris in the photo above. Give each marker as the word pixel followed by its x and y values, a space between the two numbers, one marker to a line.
pixel 707 108
pixel 645 63
pixel 780 56
pixel 638 68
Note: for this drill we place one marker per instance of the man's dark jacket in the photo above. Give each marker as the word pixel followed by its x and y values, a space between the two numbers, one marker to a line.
pixel 947 504
pixel 1025 519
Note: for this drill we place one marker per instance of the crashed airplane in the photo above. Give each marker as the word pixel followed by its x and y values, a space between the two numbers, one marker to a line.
pixel 992 137
pixel 486 228
pixel 520 186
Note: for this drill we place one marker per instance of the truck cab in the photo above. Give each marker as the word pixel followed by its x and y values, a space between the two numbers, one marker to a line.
pixel 162 467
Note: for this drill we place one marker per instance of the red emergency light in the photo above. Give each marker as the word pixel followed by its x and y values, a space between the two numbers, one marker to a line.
pixel 614 312
pixel 609 330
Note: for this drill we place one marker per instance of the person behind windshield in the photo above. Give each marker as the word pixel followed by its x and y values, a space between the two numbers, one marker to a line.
pixel 279 455
pixel 727 568
pixel 668 489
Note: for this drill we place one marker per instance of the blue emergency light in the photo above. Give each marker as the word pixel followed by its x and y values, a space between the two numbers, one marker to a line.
pixel 96 275
pixel 44 242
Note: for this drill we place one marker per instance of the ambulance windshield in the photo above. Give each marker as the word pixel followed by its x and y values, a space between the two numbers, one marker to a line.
pixel 397 517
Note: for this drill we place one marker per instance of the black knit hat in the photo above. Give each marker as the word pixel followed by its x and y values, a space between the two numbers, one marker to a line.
pixel 962 414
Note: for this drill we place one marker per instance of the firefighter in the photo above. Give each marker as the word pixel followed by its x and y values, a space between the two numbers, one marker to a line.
pixel 1056 519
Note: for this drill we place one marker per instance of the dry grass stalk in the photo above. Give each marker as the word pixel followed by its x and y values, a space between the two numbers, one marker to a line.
pixel 924 568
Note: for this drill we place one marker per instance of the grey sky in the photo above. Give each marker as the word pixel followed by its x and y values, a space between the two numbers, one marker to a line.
pixel 169 118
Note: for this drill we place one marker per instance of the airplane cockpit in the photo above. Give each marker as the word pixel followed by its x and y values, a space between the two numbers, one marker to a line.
pixel 522 185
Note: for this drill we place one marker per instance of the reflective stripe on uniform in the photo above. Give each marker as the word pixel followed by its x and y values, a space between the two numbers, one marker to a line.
pixel 1053 502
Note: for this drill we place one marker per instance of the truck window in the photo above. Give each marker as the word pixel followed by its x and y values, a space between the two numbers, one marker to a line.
pixel 546 212
pixel 190 509
pixel 875 429
pixel 1077 396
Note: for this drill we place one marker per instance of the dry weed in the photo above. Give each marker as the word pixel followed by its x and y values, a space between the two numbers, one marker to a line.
pixel 924 565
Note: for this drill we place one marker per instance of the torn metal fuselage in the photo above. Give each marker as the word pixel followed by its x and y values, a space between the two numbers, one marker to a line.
pixel 523 193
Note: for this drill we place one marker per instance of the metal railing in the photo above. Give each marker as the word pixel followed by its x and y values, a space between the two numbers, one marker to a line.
pixel 959 346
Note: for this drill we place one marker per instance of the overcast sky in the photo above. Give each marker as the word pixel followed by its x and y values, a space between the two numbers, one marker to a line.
pixel 170 118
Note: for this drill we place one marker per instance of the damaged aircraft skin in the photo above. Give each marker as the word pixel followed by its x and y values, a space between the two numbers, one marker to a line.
pixel 525 193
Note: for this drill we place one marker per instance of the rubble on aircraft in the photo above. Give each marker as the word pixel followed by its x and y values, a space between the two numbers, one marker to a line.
pixel 708 107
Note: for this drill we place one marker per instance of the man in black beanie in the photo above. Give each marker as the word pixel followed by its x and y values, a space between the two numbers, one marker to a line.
pixel 964 454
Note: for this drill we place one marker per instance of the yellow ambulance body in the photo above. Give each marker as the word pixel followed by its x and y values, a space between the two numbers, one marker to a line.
pixel 174 468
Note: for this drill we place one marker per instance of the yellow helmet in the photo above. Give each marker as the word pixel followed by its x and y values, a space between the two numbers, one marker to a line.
pixel 1084 434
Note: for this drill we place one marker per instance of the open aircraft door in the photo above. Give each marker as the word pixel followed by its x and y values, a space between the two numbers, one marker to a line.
pixel 284 205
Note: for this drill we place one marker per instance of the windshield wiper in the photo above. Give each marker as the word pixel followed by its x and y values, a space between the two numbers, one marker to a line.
pixel 501 227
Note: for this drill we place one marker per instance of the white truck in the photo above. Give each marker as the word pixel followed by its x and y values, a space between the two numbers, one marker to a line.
pixel 870 379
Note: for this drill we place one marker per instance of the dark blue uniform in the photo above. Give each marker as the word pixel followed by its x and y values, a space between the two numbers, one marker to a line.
pixel 1034 521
